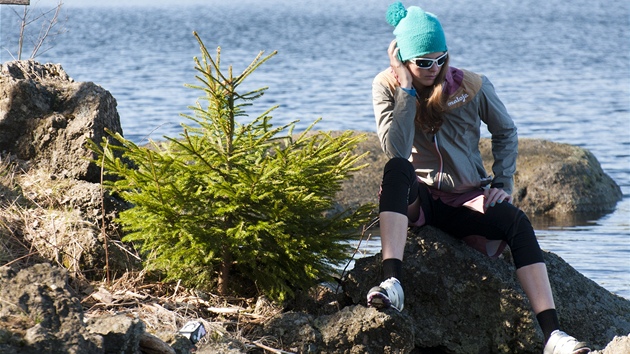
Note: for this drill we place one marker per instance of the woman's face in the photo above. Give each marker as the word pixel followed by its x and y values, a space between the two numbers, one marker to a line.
pixel 426 76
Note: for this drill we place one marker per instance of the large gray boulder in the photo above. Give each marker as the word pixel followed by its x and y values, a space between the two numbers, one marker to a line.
pixel 558 179
pixel 465 302
pixel 456 301
pixel 46 118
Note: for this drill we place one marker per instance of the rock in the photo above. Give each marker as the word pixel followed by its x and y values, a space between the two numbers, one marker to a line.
pixel 120 333
pixel 461 301
pixel 181 344
pixel 552 179
pixel 357 329
pixel 46 118
pixel 231 347
pixel 354 329
pixel 40 314
pixel 619 345
pixel 40 299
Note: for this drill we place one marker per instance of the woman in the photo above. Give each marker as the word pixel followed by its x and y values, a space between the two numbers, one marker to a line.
pixel 428 118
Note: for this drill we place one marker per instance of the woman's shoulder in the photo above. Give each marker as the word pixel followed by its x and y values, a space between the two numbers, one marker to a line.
pixel 387 79
pixel 461 86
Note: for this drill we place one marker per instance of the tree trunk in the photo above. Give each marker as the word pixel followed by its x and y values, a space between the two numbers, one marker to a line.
pixel 224 272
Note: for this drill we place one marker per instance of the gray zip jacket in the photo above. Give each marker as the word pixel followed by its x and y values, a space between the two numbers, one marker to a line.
pixel 449 160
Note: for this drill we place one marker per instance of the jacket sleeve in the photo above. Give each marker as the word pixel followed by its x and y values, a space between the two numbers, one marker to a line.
pixel 504 136
pixel 394 111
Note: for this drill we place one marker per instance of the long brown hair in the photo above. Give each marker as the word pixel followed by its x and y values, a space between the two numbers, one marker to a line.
pixel 431 103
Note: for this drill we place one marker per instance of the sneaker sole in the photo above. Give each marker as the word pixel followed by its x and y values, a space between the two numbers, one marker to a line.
pixel 378 301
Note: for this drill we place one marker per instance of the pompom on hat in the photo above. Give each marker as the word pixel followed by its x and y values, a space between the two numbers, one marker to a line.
pixel 417 32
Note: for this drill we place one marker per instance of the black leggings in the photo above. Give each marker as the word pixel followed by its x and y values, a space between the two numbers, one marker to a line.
pixel 504 221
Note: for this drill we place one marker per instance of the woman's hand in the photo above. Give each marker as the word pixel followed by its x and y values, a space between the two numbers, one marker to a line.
pixel 400 70
pixel 495 195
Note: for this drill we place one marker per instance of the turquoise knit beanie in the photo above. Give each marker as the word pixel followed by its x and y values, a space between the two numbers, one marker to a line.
pixel 417 32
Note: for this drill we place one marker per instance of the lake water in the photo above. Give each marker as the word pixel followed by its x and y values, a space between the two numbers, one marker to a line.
pixel 562 69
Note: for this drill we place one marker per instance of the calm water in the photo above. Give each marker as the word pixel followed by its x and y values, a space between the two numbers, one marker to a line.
pixel 563 71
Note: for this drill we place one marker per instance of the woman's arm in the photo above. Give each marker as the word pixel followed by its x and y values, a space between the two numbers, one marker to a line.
pixel 504 137
pixel 394 105
pixel 395 114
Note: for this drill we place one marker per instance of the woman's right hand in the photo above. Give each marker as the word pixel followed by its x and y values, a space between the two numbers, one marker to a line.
pixel 398 67
pixel 495 195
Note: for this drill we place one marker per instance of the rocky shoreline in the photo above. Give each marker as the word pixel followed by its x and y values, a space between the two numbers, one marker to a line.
pixel 58 238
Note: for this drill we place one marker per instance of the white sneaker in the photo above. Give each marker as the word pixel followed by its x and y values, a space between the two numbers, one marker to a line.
pixel 562 343
pixel 388 293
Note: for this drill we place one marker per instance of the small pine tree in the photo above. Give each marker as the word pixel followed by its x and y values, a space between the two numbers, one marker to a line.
pixel 227 199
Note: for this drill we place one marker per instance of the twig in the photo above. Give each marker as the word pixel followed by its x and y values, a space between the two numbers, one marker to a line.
pixel 176 288
pixel 103 233
pixel 51 24
pixel 273 350
pixel 19 258
pixel 356 250
pixel 22 28
pixel 146 137
pixel 124 249
pixel 122 304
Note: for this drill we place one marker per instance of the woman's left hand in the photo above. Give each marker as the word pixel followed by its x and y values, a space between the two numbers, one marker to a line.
pixel 494 196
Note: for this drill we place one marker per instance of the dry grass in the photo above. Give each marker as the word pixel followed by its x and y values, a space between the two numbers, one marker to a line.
pixel 165 308
pixel 38 222
pixel 12 247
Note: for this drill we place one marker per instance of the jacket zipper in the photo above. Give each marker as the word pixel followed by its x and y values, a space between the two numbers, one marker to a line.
pixel 437 149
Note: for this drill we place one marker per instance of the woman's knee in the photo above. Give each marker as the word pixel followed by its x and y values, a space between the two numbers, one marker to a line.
pixel 399 187
pixel 399 165
pixel 524 244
